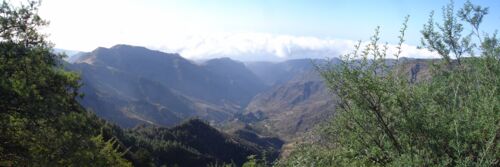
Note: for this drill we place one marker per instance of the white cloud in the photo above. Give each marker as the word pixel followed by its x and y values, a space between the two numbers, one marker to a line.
pixel 263 46
pixel 86 25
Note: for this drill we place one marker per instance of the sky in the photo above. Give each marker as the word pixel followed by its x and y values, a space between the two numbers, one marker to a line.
pixel 243 29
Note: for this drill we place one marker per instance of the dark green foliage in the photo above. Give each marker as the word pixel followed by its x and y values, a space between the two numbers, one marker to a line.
pixel 41 123
pixel 153 146
pixel 388 118
pixel 254 162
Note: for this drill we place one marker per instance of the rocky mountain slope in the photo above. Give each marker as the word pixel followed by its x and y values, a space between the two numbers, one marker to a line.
pixel 131 85
pixel 292 108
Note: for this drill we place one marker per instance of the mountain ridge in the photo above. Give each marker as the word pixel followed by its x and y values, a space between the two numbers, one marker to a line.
pixel 117 82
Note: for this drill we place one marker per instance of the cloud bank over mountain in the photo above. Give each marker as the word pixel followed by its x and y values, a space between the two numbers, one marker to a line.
pixel 263 46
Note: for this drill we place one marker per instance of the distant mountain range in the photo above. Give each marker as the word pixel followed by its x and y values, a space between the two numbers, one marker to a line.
pixel 131 85
pixel 272 73
pixel 72 55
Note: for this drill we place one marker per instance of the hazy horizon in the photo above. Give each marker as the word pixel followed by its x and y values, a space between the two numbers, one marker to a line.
pixel 242 30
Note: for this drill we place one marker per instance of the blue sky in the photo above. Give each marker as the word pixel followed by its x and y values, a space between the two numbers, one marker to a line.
pixel 351 19
pixel 252 26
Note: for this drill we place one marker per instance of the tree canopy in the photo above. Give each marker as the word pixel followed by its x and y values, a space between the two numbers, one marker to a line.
pixel 41 123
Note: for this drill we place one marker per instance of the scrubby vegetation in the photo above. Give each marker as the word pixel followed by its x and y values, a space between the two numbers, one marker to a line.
pixel 387 118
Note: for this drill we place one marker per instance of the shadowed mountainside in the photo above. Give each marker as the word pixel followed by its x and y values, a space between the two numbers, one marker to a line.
pixel 192 143
pixel 131 85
